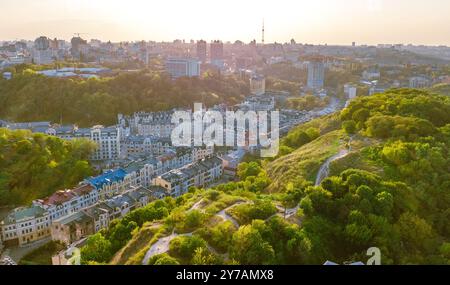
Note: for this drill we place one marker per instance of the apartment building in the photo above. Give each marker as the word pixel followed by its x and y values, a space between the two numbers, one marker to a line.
pixel 111 183
pixel 72 228
pixel 183 67
pixel 142 172
pixel 67 202
pixel 258 85
pixel 200 174
pixel 89 221
pixel 144 145
pixel 25 225
pixel 419 82
pixel 107 139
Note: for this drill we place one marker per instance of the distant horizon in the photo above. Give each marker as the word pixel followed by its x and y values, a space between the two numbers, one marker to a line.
pixel 208 41
pixel 332 22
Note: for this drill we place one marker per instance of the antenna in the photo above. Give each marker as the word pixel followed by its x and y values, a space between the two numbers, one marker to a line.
pixel 79 34
pixel 263 32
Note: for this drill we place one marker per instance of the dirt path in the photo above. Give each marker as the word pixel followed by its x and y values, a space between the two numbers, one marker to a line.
pixel 324 170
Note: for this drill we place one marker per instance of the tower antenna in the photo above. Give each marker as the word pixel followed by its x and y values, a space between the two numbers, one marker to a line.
pixel 263 32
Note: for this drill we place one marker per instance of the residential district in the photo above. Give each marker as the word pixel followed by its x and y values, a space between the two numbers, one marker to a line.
pixel 137 160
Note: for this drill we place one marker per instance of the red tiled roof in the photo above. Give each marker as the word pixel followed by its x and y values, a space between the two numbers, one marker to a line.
pixel 58 198
pixel 83 189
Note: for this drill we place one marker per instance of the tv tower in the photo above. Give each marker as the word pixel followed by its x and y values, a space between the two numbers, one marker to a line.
pixel 263 32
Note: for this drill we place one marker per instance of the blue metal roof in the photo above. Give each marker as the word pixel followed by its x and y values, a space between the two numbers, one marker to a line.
pixel 108 178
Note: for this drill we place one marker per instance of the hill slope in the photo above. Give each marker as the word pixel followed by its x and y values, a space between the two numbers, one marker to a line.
pixel 389 188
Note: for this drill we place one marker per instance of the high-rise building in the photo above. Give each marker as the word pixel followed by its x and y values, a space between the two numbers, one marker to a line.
pixel 350 90
pixel 42 43
pixel 77 44
pixel 42 53
pixel 201 50
pixel 217 53
pixel 257 85
pixel 179 67
pixel 316 74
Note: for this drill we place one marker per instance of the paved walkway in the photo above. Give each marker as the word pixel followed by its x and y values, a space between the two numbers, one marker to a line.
pixel 162 245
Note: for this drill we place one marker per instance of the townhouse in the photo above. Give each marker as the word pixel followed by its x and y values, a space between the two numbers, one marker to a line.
pixel 144 145
pixel 68 202
pixel 111 183
pixel 89 221
pixel 157 124
pixel 72 228
pixel 200 174
pixel 25 225
pixel 142 172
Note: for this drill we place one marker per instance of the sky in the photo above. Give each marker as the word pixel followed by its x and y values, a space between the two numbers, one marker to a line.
pixel 306 21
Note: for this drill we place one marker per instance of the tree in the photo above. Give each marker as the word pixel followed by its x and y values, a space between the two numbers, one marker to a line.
pixel 249 248
pixel 203 257
pixel 97 249
pixel 185 246
pixel 163 259
pixel 361 115
pixel 194 219
pixel 248 169
pixel 221 235
pixel 120 234
pixel 415 232
pixel 349 127
pixel 44 164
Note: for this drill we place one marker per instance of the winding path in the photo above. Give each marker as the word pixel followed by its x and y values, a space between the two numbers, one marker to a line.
pixel 162 245
pixel 223 214
pixel 324 170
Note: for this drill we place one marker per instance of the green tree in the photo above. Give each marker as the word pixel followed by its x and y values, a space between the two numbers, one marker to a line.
pixel 249 248
pixel 97 249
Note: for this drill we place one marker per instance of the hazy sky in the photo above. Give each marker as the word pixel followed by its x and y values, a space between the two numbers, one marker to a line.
pixel 307 21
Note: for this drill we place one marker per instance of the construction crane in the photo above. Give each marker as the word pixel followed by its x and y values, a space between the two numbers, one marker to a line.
pixel 79 34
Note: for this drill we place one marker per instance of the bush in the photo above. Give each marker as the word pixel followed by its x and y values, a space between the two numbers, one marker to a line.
pixel 185 246
pixel 349 127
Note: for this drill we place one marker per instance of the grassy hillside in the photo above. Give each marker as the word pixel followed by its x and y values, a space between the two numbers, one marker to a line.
pixel 305 161
pixel 389 188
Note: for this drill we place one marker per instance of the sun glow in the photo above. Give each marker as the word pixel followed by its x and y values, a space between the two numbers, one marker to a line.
pixel 318 21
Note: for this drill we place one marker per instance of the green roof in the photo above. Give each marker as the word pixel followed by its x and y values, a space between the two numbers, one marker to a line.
pixel 24 213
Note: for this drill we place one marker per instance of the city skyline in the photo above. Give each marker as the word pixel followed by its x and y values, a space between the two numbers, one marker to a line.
pixel 319 22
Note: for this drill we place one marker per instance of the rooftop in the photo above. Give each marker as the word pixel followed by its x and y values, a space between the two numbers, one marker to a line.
pixel 74 218
pixel 59 198
pixel 21 214
pixel 83 189
pixel 108 178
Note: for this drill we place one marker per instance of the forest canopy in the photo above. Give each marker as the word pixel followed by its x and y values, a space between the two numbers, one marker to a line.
pixel 33 97
pixel 34 166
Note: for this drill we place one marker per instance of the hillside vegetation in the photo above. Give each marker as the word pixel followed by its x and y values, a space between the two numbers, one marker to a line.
pixel 391 190
pixel 32 97
pixel 34 166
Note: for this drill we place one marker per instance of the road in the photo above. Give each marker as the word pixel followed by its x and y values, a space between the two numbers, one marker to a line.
pixel 17 253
